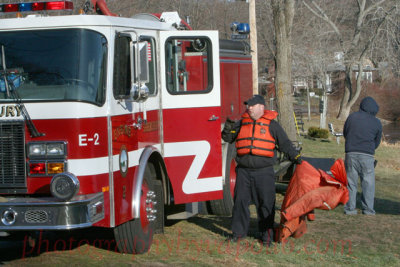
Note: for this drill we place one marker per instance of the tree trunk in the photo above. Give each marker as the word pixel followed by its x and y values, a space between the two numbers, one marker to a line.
pixel 351 93
pixel 344 108
pixel 283 12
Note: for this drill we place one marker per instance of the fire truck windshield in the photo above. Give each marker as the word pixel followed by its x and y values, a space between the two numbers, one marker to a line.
pixel 54 65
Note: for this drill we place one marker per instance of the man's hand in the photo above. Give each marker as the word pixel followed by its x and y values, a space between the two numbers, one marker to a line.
pixel 229 132
pixel 229 121
pixel 298 159
pixel 228 126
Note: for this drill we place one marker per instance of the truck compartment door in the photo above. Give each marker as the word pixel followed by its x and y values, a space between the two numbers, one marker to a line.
pixel 191 114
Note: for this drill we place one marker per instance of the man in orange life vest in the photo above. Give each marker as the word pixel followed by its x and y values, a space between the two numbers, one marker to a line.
pixel 257 137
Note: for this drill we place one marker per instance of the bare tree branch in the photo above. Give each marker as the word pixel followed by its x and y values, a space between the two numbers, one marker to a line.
pixel 320 13
pixel 373 6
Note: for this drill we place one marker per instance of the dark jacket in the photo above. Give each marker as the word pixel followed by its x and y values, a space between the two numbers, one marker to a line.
pixel 282 142
pixel 362 130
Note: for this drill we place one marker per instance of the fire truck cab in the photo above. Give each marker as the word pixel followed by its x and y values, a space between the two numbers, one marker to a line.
pixel 104 120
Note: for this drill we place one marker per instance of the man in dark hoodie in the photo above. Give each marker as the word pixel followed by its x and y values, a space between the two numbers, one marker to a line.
pixel 363 132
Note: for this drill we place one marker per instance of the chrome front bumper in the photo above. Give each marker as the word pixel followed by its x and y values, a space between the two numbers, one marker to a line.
pixel 50 213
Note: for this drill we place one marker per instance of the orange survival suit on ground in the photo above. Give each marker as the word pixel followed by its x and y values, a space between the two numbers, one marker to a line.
pixel 309 189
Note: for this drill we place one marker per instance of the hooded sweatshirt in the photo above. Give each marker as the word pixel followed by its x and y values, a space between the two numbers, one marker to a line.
pixel 362 130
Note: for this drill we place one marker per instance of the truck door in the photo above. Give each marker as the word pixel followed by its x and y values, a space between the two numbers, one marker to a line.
pixel 134 123
pixel 191 114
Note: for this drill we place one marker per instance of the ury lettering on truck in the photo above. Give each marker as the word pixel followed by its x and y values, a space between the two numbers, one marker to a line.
pixel 10 111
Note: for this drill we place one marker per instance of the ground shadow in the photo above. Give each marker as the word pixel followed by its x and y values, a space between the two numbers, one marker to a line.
pixel 382 206
pixel 19 246
pixel 221 225
pixel 216 224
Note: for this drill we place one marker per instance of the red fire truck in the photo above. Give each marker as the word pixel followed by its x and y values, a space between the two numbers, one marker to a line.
pixel 106 120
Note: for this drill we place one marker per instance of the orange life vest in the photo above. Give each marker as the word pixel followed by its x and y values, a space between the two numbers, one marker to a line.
pixel 254 136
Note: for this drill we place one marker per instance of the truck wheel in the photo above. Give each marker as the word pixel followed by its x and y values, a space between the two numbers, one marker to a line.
pixel 135 236
pixel 224 206
pixel 159 206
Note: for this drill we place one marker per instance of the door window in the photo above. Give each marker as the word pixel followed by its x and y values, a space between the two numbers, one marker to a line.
pixel 122 65
pixel 188 65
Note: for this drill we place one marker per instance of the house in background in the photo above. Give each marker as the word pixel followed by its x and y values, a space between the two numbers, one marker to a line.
pixel 299 84
pixel 335 75
pixel 336 72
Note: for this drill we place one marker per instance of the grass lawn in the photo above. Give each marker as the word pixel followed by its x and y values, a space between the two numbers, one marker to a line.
pixel 333 239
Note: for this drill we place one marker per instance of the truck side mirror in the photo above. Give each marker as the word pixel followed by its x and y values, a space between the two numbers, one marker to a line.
pixel 140 72
pixel 139 93
pixel 143 62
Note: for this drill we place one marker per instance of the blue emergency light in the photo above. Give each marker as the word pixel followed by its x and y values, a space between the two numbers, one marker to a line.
pixel 243 28
pixel 240 28
pixel 25 7
pixel 37 6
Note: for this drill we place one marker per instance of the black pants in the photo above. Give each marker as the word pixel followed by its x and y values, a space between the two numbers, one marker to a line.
pixel 257 185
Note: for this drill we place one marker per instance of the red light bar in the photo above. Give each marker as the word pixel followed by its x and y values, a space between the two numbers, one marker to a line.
pixel 10 8
pixel 59 5
pixel 38 6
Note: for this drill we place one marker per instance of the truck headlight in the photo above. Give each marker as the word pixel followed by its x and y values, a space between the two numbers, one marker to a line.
pixel 55 149
pixel 64 186
pixel 36 150
pixel 46 150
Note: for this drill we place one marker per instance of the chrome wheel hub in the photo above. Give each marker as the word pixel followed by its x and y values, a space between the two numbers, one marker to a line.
pixel 150 206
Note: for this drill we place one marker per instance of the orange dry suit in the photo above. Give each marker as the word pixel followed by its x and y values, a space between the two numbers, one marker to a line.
pixel 311 189
pixel 254 136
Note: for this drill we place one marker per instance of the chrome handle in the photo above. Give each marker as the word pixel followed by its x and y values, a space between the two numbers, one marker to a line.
pixel 213 118
pixel 138 124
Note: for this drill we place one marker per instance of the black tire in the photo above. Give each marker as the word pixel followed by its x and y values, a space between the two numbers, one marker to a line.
pixel 204 208
pixel 223 207
pixel 136 236
pixel 159 206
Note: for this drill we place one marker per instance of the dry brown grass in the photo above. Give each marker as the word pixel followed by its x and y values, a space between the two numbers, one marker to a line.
pixel 391 145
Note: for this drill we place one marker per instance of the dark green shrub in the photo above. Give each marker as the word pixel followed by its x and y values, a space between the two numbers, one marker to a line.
pixel 318 132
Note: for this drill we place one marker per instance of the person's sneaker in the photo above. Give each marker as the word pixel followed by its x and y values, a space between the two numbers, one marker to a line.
pixel 350 212
pixel 368 213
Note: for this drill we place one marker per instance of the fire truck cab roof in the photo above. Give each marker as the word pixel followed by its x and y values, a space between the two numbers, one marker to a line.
pixel 37 21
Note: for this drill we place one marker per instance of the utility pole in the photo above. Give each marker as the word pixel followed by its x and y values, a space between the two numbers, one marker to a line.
pixel 253 43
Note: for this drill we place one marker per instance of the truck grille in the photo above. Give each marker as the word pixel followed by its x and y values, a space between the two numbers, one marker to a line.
pixel 12 156
pixel 36 216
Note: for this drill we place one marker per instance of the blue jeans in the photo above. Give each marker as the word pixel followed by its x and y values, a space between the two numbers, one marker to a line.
pixel 360 165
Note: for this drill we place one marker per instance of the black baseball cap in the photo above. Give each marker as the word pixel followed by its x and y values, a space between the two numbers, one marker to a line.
pixel 256 99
